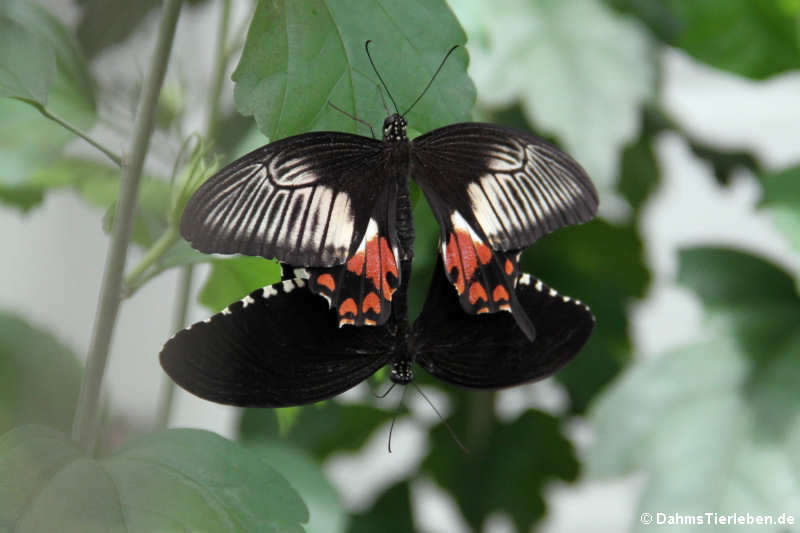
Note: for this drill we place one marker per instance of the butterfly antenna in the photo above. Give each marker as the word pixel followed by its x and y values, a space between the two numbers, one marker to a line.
pixel 391 427
pixel 364 122
pixel 366 47
pixel 435 410
pixel 385 394
pixel 431 82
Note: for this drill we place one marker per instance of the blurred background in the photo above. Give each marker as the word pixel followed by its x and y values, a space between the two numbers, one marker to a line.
pixel 686 115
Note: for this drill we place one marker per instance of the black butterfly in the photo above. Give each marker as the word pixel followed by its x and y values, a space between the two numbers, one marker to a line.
pixel 339 205
pixel 280 346
pixel 336 207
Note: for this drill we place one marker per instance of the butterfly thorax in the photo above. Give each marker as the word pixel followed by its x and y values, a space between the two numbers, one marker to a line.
pixel 394 129
pixel 402 372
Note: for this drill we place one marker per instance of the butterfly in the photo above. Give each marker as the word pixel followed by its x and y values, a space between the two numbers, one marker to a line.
pixel 278 346
pixel 337 204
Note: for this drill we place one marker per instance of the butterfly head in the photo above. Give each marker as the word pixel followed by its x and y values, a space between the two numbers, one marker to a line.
pixel 402 373
pixel 394 129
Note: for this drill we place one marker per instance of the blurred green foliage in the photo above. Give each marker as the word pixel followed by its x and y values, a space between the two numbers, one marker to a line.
pixel 714 425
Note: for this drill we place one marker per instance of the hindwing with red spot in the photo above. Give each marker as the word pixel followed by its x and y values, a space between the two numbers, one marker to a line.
pixel 484 279
pixel 361 289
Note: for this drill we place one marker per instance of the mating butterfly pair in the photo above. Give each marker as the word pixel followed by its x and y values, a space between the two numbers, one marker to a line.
pixel 336 207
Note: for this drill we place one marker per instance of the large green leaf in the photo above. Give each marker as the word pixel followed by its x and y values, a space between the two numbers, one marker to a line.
pixel 716 425
pixel 39 376
pixel 232 279
pixel 756 39
pixel 324 508
pixel 580 71
pixel 177 480
pixel 508 464
pixel 301 55
pixel 601 264
pixel 782 201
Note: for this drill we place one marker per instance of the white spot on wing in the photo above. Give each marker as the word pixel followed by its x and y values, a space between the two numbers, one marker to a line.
pixel 553 292
pixel 247 300
pixel 300 282
pixel 288 285
pixel 525 279
pixel 226 311
pixel 539 286
pixel 268 291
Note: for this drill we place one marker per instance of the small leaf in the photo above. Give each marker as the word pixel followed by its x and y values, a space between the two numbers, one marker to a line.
pixel 39 376
pixel 27 65
pixel 286 77
pixel 232 279
pixel 580 71
pixel 182 479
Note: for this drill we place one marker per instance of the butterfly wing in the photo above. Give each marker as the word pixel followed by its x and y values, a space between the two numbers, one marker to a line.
pixel 494 191
pixel 278 346
pixel 491 351
pixel 509 183
pixel 305 200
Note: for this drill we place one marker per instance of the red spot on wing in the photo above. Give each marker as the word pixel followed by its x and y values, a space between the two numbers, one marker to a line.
pixel 356 263
pixel 464 255
pixel 326 280
pixel 371 301
pixel 509 267
pixel 483 310
pixel 477 292
pixel 499 294
pixel 380 263
pixel 348 307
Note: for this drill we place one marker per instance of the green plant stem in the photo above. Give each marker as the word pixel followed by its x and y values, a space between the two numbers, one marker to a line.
pixel 63 123
pixel 220 67
pixel 153 254
pixel 181 311
pixel 85 424
pixel 221 58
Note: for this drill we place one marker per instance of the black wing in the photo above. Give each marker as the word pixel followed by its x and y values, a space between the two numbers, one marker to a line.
pixel 305 200
pixel 277 347
pixel 491 351
pixel 507 184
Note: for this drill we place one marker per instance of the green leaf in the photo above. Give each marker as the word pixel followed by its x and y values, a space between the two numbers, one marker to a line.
pixel 98 184
pixel 304 475
pixel 753 39
pixel 508 466
pixel 580 71
pixel 715 426
pixel 177 480
pixel 748 299
pixel 782 201
pixel 232 279
pixel 27 65
pixel 601 264
pixel 28 140
pixel 319 429
pixel 39 376
pixel 391 513
pixel 301 55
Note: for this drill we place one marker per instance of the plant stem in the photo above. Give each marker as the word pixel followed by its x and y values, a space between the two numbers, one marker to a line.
pixel 154 253
pixel 179 322
pixel 107 151
pixel 85 424
pixel 212 120
pixel 220 67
